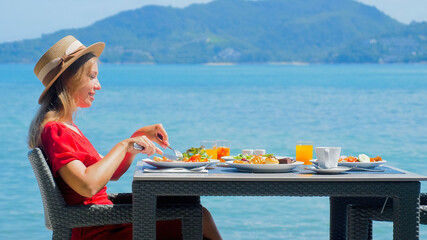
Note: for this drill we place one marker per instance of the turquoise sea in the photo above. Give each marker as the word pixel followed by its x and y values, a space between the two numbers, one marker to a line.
pixel 371 109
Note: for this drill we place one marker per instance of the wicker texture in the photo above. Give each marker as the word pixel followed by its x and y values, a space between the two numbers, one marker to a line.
pixel 61 218
pixel 404 193
pixel 192 218
pixel 338 217
pixel 360 216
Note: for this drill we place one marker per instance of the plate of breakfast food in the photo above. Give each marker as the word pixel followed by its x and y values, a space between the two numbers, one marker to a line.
pixel 193 157
pixel 265 163
pixel 362 161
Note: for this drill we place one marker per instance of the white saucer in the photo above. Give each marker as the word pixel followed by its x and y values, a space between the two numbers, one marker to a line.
pixel 329 170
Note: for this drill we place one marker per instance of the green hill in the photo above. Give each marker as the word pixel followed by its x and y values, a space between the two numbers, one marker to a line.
pixel 317 31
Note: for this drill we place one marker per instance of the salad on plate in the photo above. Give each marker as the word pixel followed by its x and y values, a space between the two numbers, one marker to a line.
pixel 191 155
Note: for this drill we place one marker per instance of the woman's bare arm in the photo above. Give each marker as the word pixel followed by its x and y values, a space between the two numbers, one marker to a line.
pixel 87 181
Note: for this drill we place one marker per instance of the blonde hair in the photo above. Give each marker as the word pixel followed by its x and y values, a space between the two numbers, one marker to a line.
pixel 59 103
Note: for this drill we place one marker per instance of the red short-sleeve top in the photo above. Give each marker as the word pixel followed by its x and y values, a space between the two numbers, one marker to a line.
pixel 63 145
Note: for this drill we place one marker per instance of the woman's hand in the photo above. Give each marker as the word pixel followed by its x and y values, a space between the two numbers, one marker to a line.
pixel 144 137
pixel 155 133
pixel 148 146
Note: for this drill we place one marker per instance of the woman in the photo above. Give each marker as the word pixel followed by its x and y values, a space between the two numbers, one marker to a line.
pixel 69 72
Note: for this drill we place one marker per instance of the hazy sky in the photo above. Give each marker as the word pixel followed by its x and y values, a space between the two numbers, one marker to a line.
pixel 22 19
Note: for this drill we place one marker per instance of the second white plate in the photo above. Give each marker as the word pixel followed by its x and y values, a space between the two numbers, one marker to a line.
pixel 264 168
pixel 231 158
pixel 177 164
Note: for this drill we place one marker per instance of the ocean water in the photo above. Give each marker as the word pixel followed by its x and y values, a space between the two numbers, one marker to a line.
pixel 371 109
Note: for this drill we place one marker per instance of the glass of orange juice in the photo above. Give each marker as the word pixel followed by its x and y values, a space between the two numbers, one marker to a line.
pixel 210 148
pixel 223 149
pixel 304 152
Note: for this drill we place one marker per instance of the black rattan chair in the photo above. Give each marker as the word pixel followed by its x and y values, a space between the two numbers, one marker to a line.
pixel 61 218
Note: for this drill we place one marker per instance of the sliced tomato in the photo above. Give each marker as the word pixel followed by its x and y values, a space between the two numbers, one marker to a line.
pixel 351 159
pixel 195 158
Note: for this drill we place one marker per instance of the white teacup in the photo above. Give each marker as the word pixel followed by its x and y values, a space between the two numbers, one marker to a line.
pixel 327 157
pixel 258 152
pixel 247 151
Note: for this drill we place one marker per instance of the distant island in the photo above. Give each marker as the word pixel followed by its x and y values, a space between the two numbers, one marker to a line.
pixel 242 31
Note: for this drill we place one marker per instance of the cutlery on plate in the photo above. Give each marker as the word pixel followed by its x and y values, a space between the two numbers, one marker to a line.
pixel 196 169
pixel 201 168
pixel 178 154
pixel 352 168
pixel 171 157
pixel 366 169
pixel 314 167
pixel 311 168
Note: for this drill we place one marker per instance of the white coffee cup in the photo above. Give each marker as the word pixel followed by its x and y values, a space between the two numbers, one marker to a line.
pixel 247 151
pixel 327 157
pixel 258 152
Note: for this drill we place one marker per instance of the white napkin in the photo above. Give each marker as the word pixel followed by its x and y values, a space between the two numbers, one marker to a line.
pixel 173 170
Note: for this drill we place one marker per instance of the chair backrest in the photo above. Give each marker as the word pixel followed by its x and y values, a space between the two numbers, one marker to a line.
pixel 52 198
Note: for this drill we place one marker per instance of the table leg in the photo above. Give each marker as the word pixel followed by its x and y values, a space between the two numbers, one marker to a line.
pixel 406 211
pixel 339 213
pixel 338 217
pixel 144 205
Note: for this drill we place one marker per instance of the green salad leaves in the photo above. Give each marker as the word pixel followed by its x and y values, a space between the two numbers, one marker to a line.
pixel 193 151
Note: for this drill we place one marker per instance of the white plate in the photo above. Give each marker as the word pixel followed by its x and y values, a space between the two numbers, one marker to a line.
pixel 264 167
pixel 177 164
pixel 329 170
pixel 356 164
pixel 231 158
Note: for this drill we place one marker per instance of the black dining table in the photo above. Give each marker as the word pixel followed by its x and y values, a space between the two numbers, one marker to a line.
pixel 401 186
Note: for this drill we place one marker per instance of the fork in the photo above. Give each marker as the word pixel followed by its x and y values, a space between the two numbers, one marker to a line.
pixel 177 153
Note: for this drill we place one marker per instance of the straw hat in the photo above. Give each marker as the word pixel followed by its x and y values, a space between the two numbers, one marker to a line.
pixel 59 57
